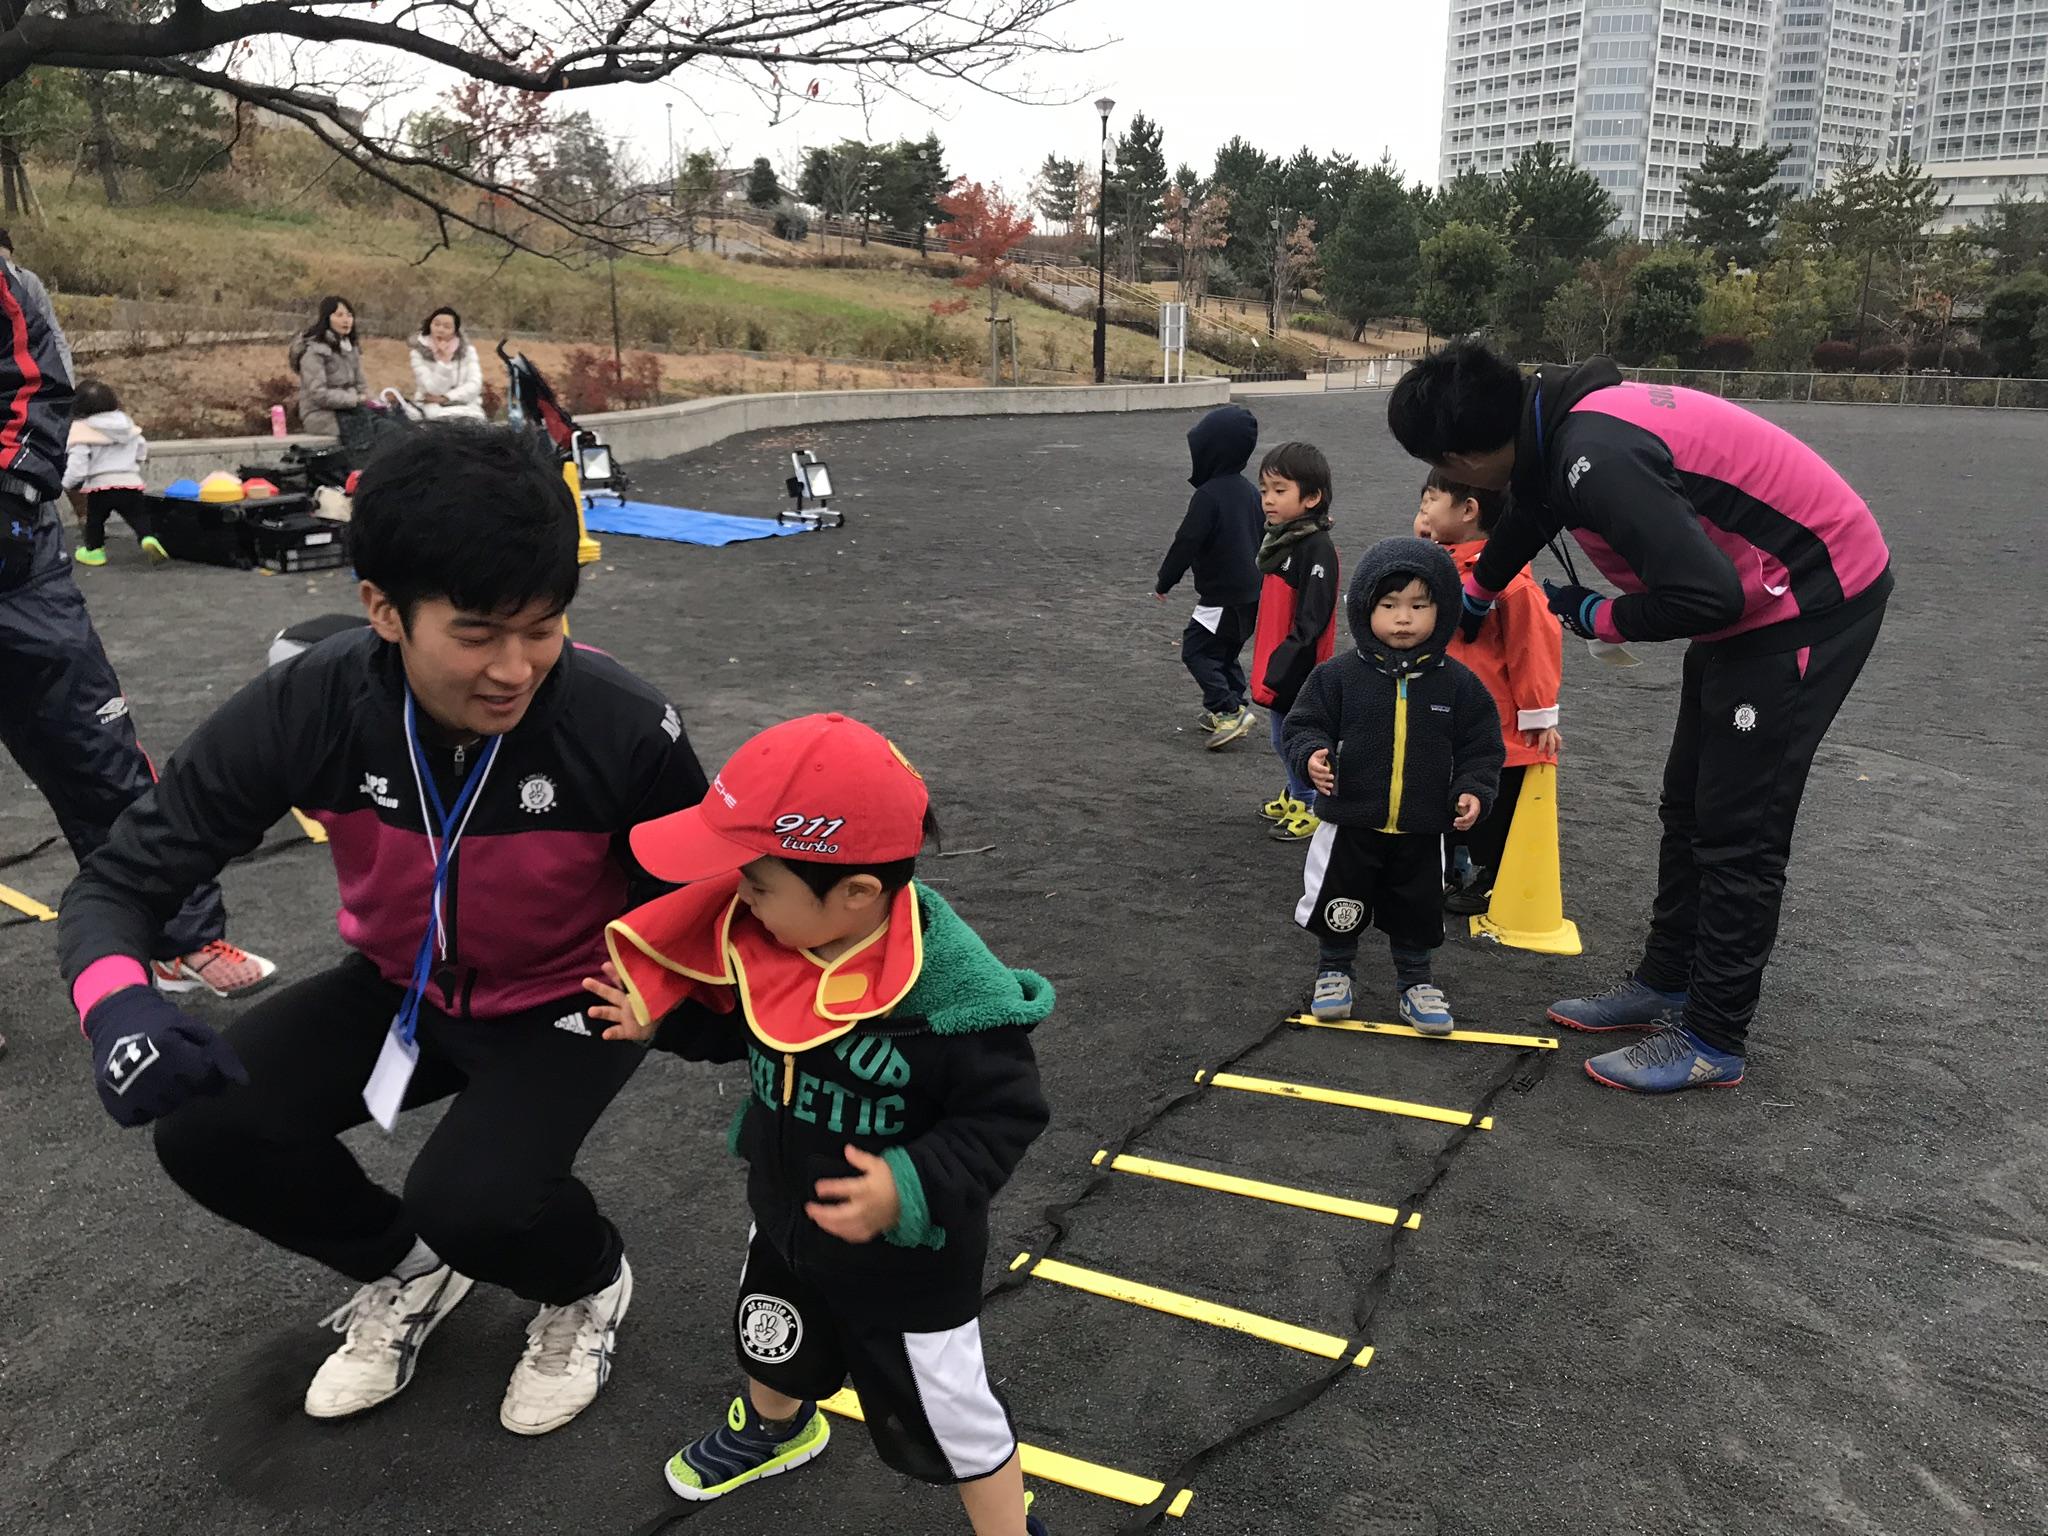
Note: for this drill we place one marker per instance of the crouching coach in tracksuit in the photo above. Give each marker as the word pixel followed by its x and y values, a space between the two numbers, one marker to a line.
pixel 1721 529
pixel 477 777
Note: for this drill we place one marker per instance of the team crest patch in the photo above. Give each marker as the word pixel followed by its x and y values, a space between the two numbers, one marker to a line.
pixel 1343 914
pixel 770 1329
pixel 1745 717
pixel 536 794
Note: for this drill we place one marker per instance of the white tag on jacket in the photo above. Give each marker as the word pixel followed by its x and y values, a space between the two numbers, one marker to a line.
pixel 385 1091
pixel 1209 617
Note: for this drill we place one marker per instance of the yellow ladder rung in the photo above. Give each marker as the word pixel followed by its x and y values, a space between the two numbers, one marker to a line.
pixel 1319 1095
pixel 1467 1036
pixel 1070 1471
pixel 1255 1189
pixel 25 904
pixel 1309 1341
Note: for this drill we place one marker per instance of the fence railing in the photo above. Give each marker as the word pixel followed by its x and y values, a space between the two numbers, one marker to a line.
pixel 1855 388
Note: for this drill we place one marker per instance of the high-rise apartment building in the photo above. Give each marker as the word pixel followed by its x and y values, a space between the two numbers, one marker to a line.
pixel 1834 82
pixel 1906 76
pixel 1978 120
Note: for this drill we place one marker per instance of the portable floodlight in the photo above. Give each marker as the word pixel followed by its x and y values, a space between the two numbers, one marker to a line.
pixel 594 468
pixel 810 486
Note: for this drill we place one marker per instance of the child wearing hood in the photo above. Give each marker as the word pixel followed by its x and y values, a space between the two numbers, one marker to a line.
pixel 891 1092
pixel 1402 745
pixel 106 452
pixel 1219 540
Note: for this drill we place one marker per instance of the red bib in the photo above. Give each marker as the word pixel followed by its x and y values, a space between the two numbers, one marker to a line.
pixel 703 942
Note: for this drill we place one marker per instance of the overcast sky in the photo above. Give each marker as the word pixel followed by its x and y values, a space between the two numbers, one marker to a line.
pixel 1361 76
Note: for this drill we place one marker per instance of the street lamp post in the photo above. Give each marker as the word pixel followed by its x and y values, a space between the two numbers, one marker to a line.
pixel 1104 106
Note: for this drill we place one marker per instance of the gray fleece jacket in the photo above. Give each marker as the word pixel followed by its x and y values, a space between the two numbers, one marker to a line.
pixel 331 379
pixel 1408 731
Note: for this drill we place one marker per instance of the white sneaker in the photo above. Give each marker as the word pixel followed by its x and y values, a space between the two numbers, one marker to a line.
pixel 568 1357
pixel 385 1323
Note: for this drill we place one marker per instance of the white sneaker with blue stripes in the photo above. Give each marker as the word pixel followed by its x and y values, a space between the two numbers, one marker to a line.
pixel 384 1324
pixel 1425 1010
pixel 568 1357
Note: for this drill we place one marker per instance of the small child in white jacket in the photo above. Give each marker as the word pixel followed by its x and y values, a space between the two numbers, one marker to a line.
pixel 447 379
pixel 104 459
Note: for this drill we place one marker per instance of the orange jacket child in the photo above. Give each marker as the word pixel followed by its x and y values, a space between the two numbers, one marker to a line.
pixel 1519 655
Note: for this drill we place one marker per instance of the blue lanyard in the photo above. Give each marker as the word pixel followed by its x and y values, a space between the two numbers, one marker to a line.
pixel 451 821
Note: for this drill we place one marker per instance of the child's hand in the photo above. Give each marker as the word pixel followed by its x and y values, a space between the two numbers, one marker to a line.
pixel 617 1008
pixel 1319 773
pixel 1468 813
pixel 858 1210
pixel 1547 742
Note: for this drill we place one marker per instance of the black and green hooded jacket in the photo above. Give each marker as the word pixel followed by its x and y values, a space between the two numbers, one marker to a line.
pixel 944 1088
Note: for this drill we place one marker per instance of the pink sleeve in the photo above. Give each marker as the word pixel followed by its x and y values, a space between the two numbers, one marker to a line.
pixel 1603 624
pixel 106 975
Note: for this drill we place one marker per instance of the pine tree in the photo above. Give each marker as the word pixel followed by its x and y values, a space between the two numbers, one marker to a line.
pixel 1054 191
pixel 762 190
pixel 1731 203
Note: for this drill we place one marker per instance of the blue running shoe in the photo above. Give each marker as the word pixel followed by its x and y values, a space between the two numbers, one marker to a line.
pixel 1424 1010
pixel 1626 1005
pixel 1669 1061
pixel 744 1450
pixel 1332 996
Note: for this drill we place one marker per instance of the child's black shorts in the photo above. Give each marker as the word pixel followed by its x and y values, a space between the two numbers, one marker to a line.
pixel 930 1408
pixel 1395 879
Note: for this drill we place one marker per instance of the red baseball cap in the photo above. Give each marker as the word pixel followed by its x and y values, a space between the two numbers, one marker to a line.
pixel 823 788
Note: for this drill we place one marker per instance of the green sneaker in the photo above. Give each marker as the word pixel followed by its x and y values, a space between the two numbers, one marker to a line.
pixel 156 552
pixel 90 556
pixel 1282 806
pixel 743 1450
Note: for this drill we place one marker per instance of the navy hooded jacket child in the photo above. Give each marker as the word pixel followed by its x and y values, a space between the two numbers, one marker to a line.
pixel 1408 731
pixel 1219 536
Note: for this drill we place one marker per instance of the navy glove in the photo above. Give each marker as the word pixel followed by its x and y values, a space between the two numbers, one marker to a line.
pixel 18 518
pixel 1472 612
pixel 149 1056
pixel 1579 607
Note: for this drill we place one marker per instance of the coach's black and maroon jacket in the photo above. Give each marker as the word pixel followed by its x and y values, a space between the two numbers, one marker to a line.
pixel 542 867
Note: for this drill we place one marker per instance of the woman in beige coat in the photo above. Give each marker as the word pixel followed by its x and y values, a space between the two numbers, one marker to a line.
pixel 329 361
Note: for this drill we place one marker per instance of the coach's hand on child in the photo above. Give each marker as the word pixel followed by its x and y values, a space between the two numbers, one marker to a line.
pixel 1468 812
pixel 1548 742
pixel 617 1008
pixel 1319 771
pixel 859 1209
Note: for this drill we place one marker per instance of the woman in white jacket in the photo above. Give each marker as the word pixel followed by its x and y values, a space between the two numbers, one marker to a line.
pixel 447 379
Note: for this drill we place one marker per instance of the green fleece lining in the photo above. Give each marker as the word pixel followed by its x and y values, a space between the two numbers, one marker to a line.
pixel 913 1227
pixel 965 988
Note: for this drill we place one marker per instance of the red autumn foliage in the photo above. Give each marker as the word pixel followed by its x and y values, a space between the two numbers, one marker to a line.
pixel 982 225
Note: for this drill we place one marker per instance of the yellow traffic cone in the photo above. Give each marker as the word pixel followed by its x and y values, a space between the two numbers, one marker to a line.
pixel 1527 910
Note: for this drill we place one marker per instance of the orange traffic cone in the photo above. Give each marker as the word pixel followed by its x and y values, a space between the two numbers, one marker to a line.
pixel 1527 910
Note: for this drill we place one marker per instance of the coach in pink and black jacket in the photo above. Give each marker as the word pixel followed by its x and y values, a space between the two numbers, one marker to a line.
pixel 1719 528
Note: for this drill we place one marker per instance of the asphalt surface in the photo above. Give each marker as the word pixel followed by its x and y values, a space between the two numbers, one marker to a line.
pixel 1812 1304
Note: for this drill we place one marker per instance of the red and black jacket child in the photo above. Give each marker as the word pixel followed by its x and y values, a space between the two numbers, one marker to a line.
pixel 1298 599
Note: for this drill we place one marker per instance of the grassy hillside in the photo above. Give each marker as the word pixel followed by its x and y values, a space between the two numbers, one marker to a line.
pixel 200 270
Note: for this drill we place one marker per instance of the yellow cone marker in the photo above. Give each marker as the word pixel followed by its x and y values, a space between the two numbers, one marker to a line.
pixel 1527 910
pixel 1467 1036
pixel 25 904
pixel 1116 1288
pixel 1254 1189
pixel 1317 1094
pixel 1105 1482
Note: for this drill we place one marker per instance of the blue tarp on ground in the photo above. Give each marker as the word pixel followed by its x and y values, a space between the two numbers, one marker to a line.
pixel 649 520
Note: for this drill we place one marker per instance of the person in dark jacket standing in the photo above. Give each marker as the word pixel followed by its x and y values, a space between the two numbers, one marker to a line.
pixel 1297 626
pixel 1720 529
pixel 63 716
pixel 477 777
pixel 893 1092
pixel 1403 745
pixel 1219 541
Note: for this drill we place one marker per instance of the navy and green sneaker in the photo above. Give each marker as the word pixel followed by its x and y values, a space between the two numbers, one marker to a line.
pixel 744 1449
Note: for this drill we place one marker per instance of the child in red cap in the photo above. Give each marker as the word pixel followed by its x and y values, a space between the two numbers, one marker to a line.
pixel 894 1090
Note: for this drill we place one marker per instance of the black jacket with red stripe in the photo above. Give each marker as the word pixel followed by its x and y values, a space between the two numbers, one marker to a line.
pixel 541 868
pixel 35 387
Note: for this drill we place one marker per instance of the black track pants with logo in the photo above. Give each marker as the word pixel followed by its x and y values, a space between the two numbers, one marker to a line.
pixel 64 719
pixel 493 1191
pixel 930 1408
pixel 1748 728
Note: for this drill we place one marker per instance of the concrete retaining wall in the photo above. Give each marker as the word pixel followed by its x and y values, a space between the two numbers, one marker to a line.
pixel 660 431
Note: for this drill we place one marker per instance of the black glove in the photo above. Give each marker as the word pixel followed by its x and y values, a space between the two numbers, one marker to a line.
pixel 149 1056
pixel 18 519
pixel 1579 607
pixel 1472 612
